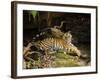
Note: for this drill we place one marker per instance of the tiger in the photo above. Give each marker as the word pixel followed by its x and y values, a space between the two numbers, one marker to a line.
pixel 50 45
pixel 56 44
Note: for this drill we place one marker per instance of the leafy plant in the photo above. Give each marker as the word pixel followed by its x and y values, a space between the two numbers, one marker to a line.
pixel 33 13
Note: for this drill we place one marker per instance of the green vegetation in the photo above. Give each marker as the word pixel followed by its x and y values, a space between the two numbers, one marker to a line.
pixel 65 60
pixel 34 13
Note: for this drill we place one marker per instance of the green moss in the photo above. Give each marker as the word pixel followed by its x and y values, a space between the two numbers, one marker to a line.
pixel 65 60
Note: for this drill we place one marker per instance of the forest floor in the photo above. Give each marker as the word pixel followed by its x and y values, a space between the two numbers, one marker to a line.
pixel 61 59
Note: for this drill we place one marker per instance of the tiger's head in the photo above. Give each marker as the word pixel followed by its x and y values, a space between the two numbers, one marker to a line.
pixel 67 37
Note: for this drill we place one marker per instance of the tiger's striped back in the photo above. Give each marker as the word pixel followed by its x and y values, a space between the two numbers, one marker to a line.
pixel 54 44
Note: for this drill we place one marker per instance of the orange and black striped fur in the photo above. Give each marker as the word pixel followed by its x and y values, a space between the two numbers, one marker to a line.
pixel 55 44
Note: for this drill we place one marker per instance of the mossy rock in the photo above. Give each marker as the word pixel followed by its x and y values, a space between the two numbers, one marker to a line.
pixel 65 60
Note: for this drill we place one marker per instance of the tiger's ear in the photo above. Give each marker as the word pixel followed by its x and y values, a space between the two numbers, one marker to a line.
pixel 68 32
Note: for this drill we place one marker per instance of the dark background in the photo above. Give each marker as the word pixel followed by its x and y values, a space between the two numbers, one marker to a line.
pixel 77 23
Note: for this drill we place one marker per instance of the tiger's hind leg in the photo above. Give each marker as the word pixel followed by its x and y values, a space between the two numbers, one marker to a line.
pixel 73 50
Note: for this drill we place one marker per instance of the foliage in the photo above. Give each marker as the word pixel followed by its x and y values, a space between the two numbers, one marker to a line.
pixel 34 13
